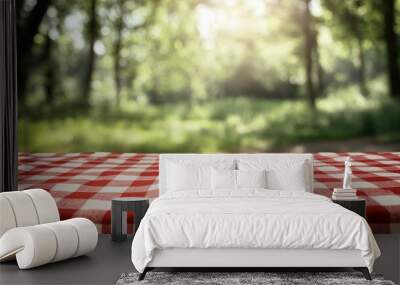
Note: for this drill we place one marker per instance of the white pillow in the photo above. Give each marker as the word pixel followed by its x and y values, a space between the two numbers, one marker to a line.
pixel 186 174
pixel 223 179
pixel 251 178
pixel 188 177
pixel 227 179
pixel 287 174
pixel 295 180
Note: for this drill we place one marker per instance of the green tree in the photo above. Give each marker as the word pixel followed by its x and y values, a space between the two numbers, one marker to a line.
pixel 348 23
pixel 92 34
pixel 392 47
pixel 28 23
pixel 309 45
pixel 119 27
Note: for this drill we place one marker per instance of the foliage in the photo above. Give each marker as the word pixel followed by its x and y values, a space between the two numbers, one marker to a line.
pixel 230 125
pixel 202 75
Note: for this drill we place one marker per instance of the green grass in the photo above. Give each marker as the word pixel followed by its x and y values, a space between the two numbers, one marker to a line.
pixel 228 125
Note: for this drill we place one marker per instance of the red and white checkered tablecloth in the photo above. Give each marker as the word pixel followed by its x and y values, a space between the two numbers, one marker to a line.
pixel 376 176
pixel 83 184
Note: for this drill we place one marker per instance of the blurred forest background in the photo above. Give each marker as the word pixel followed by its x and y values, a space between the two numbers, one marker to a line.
pixel 208 75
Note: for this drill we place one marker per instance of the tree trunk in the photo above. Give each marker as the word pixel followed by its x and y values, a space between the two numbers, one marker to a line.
pixel 26 34
pixel 308 54
pixel 391 47
pixel 117 53
pixel 49 69
pixel 93 34
pixel 361 66
pixel 318 66
pixel 19 5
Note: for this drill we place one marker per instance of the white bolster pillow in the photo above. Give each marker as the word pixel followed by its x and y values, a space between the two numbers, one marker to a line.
pixel 32 246
pixel 7 218
pixel 67 240
pixel 87 235
pixel 45 206
pixel 23 209
pixel 26 208
pixel 40 244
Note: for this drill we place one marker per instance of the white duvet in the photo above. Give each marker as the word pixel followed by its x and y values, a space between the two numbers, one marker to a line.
pixel 250 219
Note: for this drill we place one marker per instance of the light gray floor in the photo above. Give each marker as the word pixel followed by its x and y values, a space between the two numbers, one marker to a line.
pixel 103 266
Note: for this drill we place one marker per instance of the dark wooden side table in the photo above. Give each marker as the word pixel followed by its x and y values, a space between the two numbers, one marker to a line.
pixel 356 205
pixel 119 207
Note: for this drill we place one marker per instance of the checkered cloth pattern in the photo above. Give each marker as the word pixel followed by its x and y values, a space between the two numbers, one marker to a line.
pixel 376 176
pixel 83 184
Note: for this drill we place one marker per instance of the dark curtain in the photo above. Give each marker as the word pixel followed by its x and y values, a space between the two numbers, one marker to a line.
pixel 8 97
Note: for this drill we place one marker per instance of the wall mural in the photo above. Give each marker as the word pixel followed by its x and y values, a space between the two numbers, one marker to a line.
pixel 208 75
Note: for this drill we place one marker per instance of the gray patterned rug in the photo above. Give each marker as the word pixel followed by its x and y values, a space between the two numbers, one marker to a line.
pixel 228 278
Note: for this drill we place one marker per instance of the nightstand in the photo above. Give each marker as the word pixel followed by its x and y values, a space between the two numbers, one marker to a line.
pixel 119 206
pixel 356 205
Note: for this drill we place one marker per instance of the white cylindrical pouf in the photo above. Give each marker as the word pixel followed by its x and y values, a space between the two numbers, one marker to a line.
pixel 37 245
pixel 67 240
pixel 7 218
pixel 87 234
pixel 33 246
pixel 23 208
pixel 45 205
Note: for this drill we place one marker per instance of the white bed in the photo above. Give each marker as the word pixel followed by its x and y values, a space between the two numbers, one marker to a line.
pixel 249 227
